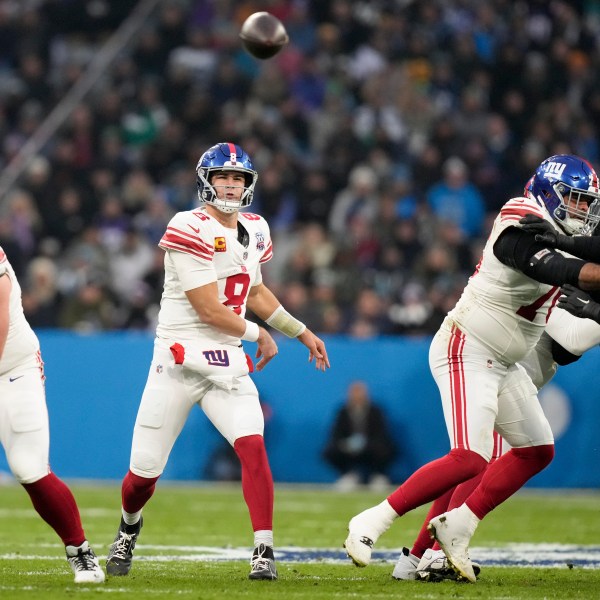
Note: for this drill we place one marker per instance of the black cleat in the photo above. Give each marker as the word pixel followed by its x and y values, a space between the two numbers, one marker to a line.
pixel 120 552
pixel 263 563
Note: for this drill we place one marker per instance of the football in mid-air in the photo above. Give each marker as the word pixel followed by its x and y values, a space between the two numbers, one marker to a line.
pixel 263 35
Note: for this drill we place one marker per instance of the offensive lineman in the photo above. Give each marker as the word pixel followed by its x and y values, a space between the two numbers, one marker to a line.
pixel 497 321
pixel 213 258
pixel 565 339
pixel 24 429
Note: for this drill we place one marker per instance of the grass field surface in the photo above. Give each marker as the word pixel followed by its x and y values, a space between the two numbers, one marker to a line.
pixel 196 543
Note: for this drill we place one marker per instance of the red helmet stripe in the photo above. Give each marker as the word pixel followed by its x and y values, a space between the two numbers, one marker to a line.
pixel 594 181
pixel 232 151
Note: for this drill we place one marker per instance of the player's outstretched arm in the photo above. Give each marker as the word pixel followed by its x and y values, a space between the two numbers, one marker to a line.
pixel 264 304
pixel 581 246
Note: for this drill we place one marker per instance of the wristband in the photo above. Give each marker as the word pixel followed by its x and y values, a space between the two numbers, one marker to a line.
pixel 285 323
pixel 251 333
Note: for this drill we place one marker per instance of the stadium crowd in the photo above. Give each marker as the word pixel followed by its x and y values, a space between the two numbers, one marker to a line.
pixel 387 134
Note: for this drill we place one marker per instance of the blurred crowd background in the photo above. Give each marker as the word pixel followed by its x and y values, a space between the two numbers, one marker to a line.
pixel 386 135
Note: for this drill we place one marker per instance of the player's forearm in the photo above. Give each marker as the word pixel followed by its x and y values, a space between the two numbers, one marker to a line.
pixel 589 277
pixel 211 312
pixel 585 247
pixel 262 301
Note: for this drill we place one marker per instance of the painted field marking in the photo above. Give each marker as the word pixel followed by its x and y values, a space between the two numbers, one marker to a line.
pixel 511 555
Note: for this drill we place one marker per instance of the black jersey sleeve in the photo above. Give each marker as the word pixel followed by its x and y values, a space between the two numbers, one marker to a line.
pixel 519 250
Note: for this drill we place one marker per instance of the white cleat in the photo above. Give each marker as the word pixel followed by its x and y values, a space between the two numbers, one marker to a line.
pixel 406 567
pixel 434 567
pixel 84 564
pixel 453 533
pixel 361 537
pixel 364 530
pixel 358 548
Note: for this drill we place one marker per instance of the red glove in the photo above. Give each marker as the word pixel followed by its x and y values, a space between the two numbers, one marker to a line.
pixel 178 352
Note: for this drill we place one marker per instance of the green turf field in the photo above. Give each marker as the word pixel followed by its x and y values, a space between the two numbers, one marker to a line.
pixel 197 541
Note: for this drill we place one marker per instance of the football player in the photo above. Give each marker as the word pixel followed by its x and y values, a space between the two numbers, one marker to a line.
pixel 564 341
pixel 213 259
pixel 497 321
pixel 24 429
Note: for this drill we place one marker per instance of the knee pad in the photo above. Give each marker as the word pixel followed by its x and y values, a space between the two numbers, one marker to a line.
pixel 469 462
pixel 146 464
pixel 26 467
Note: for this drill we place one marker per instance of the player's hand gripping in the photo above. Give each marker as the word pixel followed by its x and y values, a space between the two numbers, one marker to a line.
pixel 578 303
pixel 316 348
pixel 267 348
pixel 544 232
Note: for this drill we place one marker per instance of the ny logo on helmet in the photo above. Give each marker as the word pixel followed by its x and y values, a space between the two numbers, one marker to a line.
pixel 217 358
pixel 554 169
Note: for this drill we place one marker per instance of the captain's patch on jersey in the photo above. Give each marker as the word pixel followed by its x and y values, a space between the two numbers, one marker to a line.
pixel 220 244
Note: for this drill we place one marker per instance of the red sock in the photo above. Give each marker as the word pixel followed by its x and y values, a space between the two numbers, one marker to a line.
pixel 435 478
pixel 507 475
pixel 257 481
pixel 55 503
pixel 424 540
pixel 136 491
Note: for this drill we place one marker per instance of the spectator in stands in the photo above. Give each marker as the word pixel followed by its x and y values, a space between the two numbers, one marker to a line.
pixel 457 200
pixel 360 446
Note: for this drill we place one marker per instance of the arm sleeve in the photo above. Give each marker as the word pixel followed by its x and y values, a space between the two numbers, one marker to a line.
pixel 585 247
pixel 519 250
pixel 574 335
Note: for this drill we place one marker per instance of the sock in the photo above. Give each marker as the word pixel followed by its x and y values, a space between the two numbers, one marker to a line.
pixel 263 536
pixel 257 481
pixel 507 475
pixel 55 503
pixel 435 478
pixel 465 489
pixel 424 540
pixel 131 518
pixel 135 492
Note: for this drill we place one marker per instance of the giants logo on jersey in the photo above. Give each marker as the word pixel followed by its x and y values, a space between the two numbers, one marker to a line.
pixel 217 358
pixel 554 169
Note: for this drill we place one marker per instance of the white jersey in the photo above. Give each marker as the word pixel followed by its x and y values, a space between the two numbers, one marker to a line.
pixel 22 344
pixel 217 256
pixel 501 307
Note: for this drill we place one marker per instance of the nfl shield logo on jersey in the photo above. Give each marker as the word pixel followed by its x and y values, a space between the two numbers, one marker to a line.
pixel 260 241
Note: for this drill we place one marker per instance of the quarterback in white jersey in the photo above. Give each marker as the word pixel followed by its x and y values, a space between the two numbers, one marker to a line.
pixel 498 320
pixel 24 429
pixel 213 258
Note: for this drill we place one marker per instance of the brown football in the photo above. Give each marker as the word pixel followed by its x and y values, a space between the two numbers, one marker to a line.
pixel 263 35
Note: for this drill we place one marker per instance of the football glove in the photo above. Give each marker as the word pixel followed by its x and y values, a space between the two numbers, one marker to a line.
pixel 544 232
pixel 578 303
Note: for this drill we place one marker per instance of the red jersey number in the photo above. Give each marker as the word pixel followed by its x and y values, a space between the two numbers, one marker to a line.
pixel 530 311
pixel 236 291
